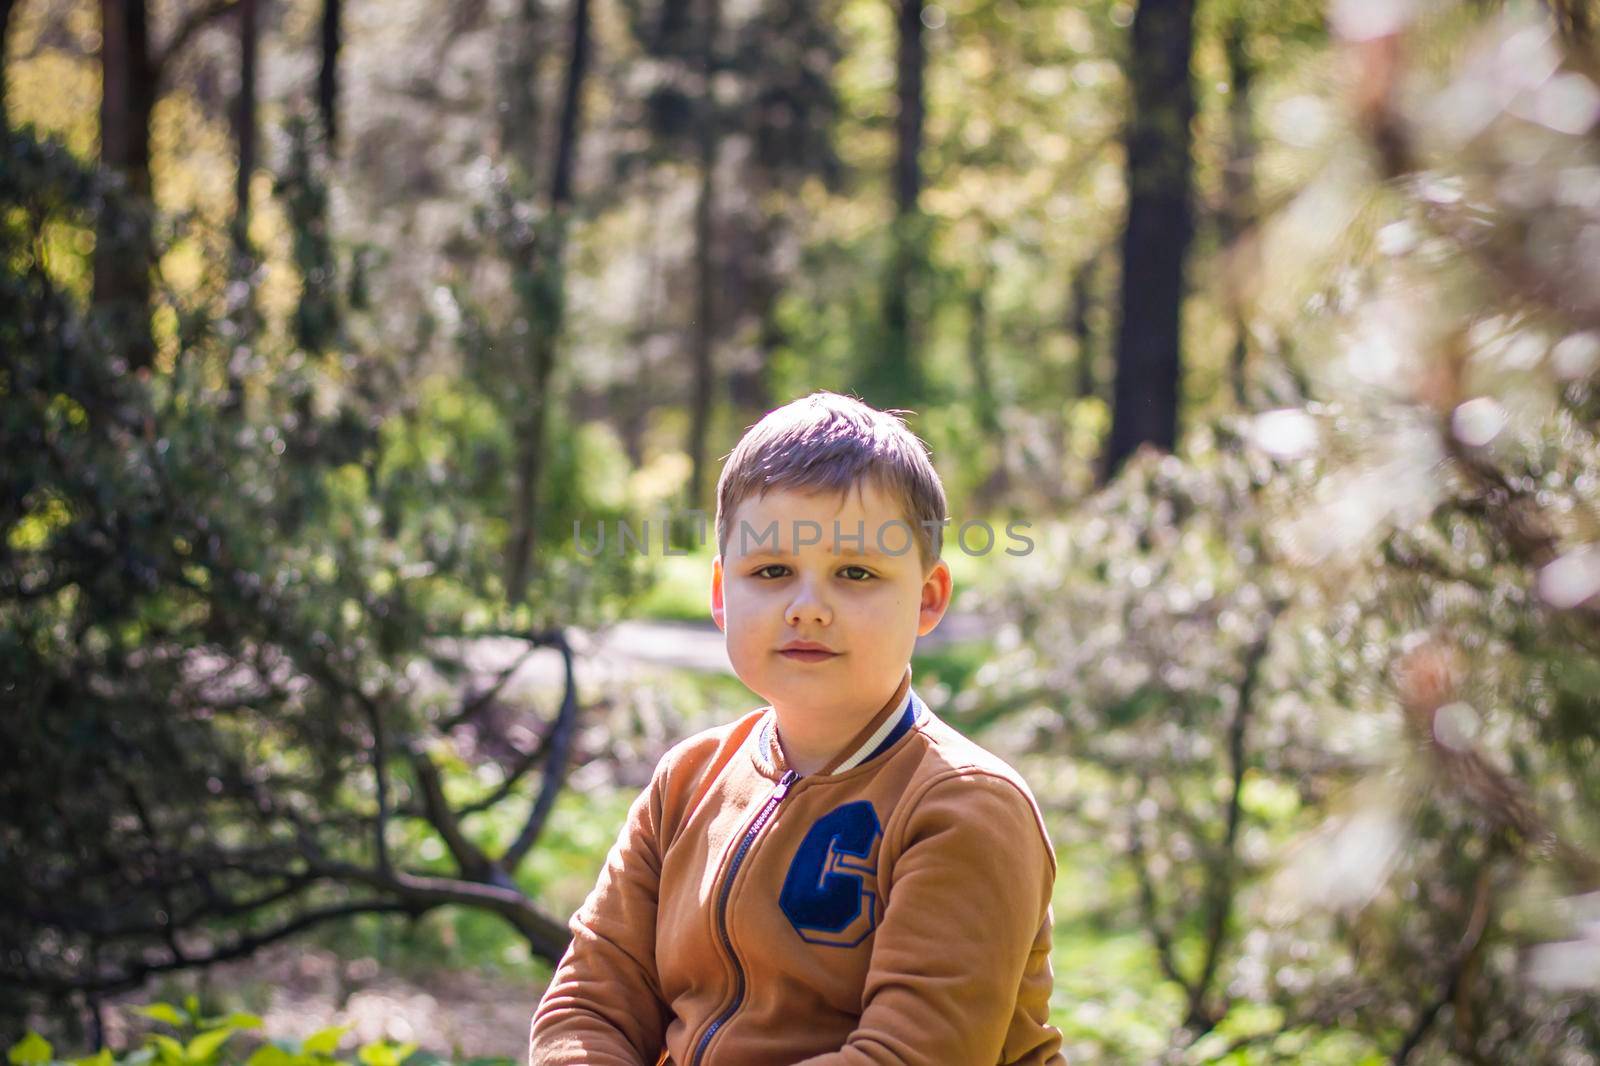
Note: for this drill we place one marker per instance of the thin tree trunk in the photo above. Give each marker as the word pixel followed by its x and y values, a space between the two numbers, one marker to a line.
pixel 519 78
pixel 631 408
pixel 328 74
pixel 703 353
pixel 244 118
pixel 978 355
pixel 909 119
pixel 123 243
pixel 242 299
pixel 571 108
pixel 548 285
pixel 1238 212
pixel 6 7
pixel 1158 232
pixel 898 373
pixel 1079 293
pixel 673 21
pixel 124 250
pixel 749 389
pixel 983 399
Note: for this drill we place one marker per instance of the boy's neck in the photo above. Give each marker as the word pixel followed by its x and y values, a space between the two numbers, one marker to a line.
pixel 812 741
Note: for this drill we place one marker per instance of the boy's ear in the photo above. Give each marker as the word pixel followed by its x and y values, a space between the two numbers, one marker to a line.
pixel 719 612
pixel 936 590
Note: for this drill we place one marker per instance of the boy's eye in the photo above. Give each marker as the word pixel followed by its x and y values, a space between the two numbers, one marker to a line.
pixel 857 574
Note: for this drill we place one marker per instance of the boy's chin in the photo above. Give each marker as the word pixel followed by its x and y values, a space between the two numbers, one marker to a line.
pixel 798 682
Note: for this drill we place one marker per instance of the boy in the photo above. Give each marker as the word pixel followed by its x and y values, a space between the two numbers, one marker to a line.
pixel 837 878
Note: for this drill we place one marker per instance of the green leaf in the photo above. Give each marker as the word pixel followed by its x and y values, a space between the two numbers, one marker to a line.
pixel 31 1050
pixel 164 1012
pixel 325 1042
pixel 269 1055
pixel 233 1020
pixel 99 1058
pixel 384 1053
pixel 202 1047
pixel 170 1050
pixel 191 1003
pixel 377 1055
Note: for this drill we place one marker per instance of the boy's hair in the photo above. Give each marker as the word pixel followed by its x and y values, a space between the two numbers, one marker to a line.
pixel 826 441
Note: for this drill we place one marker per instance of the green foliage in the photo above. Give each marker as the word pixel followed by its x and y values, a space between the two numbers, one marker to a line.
pixel 208 1041
pixel 1314 701
pixel 1315 678
pixel 222 608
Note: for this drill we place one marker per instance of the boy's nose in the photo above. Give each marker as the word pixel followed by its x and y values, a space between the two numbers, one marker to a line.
pixel 806 607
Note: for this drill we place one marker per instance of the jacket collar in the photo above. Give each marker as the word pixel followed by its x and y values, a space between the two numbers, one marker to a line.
pixel 894 719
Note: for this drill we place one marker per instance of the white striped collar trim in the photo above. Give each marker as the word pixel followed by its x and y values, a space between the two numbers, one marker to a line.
pixel 768 754
pixel 870 745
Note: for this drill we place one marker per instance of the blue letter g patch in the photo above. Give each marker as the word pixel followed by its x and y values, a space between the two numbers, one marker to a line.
pixel 830 894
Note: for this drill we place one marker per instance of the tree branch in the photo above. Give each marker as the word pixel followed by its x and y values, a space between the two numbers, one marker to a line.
pixel 558 753
pixel 476 703
pixel 473 862
pixel 1147 902
pixel 135 974
pixel 546 936
pixel 1219 901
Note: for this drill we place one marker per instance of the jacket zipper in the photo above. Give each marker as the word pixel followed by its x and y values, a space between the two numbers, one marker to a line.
pixel 762 817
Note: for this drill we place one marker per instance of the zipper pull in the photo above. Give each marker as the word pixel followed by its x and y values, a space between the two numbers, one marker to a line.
pixel 789 778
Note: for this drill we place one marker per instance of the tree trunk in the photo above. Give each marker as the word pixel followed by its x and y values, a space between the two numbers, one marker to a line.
pixel 912 59
pixel 241 300
pixel 985 407
pixel 123 242
pixel 749 388
pixel 244 123
pixel 673 21
pixel 6 7
pixel 1158 232
pixel 1238 210
pixel 571 109
pixel 1077 324
pixel 705 374
pixel 328 74
pixel 898 375
pixel 519 79
pixel 548 257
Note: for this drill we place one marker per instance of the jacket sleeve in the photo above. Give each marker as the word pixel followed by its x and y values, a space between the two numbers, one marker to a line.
pixel 604 1006
pixel 970 892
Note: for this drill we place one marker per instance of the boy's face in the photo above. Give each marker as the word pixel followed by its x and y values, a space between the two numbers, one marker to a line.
pixel 784 577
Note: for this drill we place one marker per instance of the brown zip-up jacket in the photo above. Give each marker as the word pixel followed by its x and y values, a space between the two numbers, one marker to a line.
pixel 893 907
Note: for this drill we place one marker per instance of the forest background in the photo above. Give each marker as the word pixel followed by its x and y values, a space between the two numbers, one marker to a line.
pixel 332 331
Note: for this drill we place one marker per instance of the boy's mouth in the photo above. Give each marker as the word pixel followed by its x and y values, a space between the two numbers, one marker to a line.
pixel 808 656
pixel 806 651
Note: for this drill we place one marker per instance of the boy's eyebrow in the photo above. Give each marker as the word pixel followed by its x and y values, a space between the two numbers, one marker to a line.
pixel 785 553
